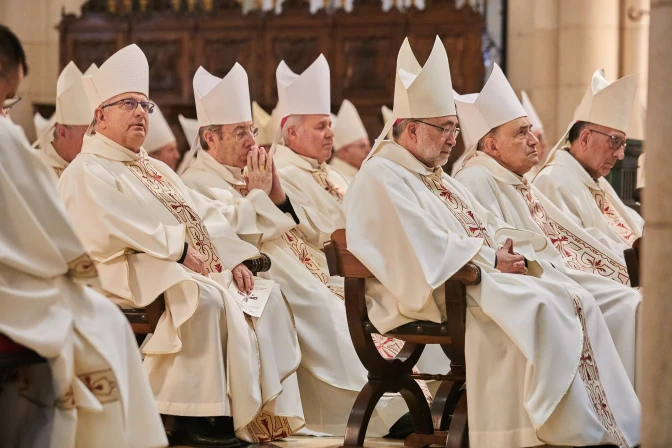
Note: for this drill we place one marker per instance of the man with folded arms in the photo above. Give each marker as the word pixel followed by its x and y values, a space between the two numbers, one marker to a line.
pixel 232 169
pixel 91 391
pixel 541 366
pixel 496 161
pixel 151 235
pixel 572 176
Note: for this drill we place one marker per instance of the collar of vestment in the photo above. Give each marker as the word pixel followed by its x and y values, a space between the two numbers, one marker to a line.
pixel 343 167
pixel 53 158
pixel 393 151
pixel 230 174
pixel 102 146
pixel 564 158
pixel 499 172
pixel 292 158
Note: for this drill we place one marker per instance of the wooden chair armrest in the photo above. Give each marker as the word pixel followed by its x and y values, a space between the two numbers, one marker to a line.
pixel 632 262
pixel 154 311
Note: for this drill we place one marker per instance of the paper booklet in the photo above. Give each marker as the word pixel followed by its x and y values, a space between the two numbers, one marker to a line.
pixel 254 302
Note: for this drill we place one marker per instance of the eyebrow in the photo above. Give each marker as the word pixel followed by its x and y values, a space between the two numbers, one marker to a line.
pixel 449 121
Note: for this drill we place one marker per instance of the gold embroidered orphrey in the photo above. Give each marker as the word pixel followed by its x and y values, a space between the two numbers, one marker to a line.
pixel 466 217
pixel 171 199
pixel 321 176
pixel 615 220
pixel 590 376
pixel 576 253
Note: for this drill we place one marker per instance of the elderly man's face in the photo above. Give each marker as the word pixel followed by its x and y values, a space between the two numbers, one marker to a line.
pixel 355 152
pixel 231 145
pixel 168 154
pixel 596 153
pixel 313 138
pixel 68 140
pixel 514 146
pixel 428 143
pixel 128 127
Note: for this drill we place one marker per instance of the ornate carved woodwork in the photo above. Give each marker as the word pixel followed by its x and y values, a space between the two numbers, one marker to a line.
pixel 178 36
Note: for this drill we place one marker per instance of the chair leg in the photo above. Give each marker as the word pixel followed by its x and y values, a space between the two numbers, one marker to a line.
pixel 418 407
pixel 458 433
pixel 445 402
pixel 361 412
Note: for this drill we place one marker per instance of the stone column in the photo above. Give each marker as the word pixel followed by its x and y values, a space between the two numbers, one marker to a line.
pixel 656 390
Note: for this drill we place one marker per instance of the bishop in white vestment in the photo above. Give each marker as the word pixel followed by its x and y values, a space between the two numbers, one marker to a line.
pixel 494 175
pixel 92 391
pixel 573 175
pixel 255 203
pixel 541 367
pixel 61 140
pixel 151 235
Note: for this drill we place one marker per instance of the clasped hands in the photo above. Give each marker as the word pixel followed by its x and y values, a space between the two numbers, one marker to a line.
pixel 262 175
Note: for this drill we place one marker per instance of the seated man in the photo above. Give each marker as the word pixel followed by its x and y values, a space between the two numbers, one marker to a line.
pixel 92 391
pixel 68 125
pixel 255 203
pixel 161 143
pixel 151 235
pixel 573 175
pixel 537 131
pixel 351 141
pixel 503 152
pixel 541 367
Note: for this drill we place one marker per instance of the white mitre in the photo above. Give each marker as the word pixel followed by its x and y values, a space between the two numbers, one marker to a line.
pixel 159 134
pixel 306 94
pixel 348 127
pixel 496 105
pixel 72 103
pixel 125 71
pixel 420 92
pixel 219 101
pixel 189 127
pixel 531 112
pixel 604 103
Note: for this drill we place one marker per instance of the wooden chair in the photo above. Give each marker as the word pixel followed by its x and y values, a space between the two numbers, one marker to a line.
pixel 632 257
pixel 446 422
pixel 144 320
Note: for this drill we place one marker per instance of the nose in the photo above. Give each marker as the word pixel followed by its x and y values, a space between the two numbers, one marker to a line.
pixel 532 140
pixel 452 140
pixel 329 133
pixel 620 153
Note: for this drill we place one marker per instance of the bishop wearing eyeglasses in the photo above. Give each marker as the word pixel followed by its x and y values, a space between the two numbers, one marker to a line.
pixel 149 235
pixel 573 176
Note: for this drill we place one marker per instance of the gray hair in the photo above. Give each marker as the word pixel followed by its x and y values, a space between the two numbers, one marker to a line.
pixel 294 121
pixel 216 128
pixel 399 128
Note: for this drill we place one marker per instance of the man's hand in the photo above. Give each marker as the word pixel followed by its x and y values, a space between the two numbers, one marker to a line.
pixel 194 261
pixel 243 277
pixel 277 194
pixel 508 261
pixel 259 174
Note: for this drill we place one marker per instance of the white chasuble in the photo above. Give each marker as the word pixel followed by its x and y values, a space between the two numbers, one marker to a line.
pixel 134 214
pixel 594 205
pixel 572 250
pixel 48 155
pixel 92 391
pixel 330 366
pixel 541 367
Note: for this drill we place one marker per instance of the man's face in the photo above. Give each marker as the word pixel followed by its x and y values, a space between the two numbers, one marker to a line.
pixel 313 138
pixel 433 145
pixel 231 146
pixel 10 80
pixel 122 125
pixel 168 154
pixel 514 146
pixel 597 156
pixel 69 140
pixel 542 147
pixel 356 152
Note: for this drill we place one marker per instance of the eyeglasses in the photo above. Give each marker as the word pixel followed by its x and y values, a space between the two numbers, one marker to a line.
pixel 615 143
pixel 242 133
pixel 8 104
pixel 130 104
pixel 449 130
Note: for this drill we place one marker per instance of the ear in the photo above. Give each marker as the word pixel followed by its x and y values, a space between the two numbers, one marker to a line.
pixel 209 137
pixel 583 138
pixel 412 129
pixel 99 115
pixel 490 146
pixel 60 130
pixel 291 132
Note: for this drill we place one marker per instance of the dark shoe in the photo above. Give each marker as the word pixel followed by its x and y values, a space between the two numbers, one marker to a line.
pixel 199 432
pixel 402 428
